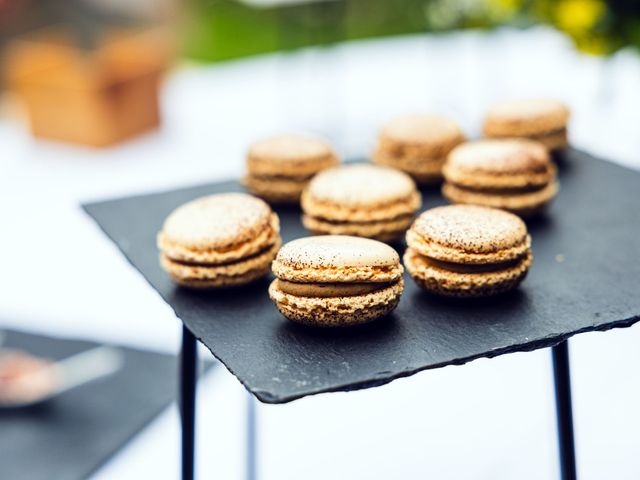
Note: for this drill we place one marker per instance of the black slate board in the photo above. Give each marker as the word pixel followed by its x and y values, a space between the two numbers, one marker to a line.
pixel 585 277
pixel 69 437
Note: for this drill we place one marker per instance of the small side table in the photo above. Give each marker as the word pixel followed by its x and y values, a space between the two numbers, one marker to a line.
pixel 585 292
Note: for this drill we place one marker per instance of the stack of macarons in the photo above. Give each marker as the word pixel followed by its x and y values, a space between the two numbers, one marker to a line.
pixel 468 251
pixel 418 145
pixel 334 280
pixel 513 174
pixel 362 200
pixel 542 120
pixel 219 241
pixel 278 168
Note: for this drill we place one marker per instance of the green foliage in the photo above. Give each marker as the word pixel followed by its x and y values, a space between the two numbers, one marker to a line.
pixel 217 30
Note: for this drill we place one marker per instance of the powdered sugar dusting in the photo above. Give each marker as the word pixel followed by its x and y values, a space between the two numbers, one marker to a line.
pixel 471 228
pixel 361 184
pixel 217 220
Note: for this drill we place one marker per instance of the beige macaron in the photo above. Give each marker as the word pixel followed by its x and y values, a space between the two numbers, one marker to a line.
pixel 513 174
pixel 541 120
pixel 219 241
pixel 278 168
pixel 361 199
pixel 335 280
pixel 468 251
pixel 418 145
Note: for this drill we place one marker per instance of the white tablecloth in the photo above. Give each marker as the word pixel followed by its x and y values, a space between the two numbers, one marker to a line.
pixel 492 419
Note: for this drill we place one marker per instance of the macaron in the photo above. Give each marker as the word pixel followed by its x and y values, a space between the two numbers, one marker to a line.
pixel 468 251
pixel 418 145
pixel 541 120
pixel 218 241
pixel 363 200
pixel 278 168
pixel 335 280
pixel 513 174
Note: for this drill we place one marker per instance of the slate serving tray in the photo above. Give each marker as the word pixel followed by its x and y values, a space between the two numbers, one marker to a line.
pixel 69 437
pixel 585 277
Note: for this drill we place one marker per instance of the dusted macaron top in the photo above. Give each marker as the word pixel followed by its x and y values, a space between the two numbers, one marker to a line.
pixel 337 258
pixel 337 251
pixel 525 117
pixel 217 221
pixel 219 241
pixel 290 147
pixel 513 165
pixel 423 129
pixel 500 156
pixel 469 234
pixel 362 184
pixel 471 228
pixel 290 151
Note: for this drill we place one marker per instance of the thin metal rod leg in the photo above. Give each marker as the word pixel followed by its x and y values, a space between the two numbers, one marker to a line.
pixel 564 413
pixel 187 401
pixel 251 437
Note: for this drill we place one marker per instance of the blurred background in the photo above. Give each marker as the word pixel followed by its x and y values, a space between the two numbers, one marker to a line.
pixel 102 98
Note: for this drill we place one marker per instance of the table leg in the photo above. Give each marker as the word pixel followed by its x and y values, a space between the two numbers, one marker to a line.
pixel 187 401
pixel 251 437
pixel 564 414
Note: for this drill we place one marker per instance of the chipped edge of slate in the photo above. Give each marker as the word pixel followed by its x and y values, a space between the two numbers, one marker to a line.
pixel 549 341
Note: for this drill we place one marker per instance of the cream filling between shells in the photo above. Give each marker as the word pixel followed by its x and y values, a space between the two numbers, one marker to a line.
pixel 326 290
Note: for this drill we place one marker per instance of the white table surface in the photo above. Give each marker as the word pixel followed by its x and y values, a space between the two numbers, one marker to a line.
pixel 491 419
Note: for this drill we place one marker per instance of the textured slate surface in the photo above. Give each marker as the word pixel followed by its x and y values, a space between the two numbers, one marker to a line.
pixel 585 277
pixel 69 437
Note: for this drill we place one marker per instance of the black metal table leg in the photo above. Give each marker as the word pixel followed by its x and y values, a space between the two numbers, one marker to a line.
pixel 188 360
pixel 564 413
pixel 251 437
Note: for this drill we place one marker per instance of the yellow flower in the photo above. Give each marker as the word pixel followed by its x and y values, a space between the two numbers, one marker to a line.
pixel 579 15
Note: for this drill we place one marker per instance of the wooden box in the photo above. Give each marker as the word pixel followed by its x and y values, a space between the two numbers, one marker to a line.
pixel 98 96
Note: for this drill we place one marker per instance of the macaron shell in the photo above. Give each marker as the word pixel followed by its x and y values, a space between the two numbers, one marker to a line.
pixel 335 210
pixel 454 284
pixel 483 180
pixel 250 238
pixel 337 311
pixel 216 221
pixel 419 136
pixel 385 231
pixel 469 229
pixel 506 163
pixel 206 276
pixel 453 254
pixel 525 117
pixel 221 281
pixel 276 189
pixel 522 204
pixel 335 258
pixel 289 155
pixel 360 185
pixel 337 251
pixel 552 141
pixel 337 274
